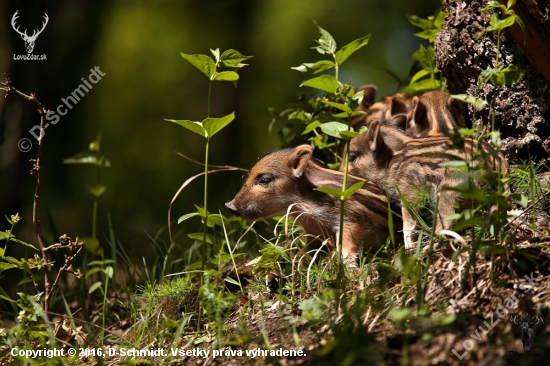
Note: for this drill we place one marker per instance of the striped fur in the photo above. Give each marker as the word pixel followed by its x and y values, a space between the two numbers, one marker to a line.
pixel 385 155
pixel 288 177
pixel 435 113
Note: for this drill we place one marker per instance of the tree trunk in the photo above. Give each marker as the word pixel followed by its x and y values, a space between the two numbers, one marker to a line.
pixel 523 109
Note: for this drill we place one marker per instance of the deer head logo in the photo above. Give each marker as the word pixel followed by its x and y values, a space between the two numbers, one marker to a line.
pixel 29 40
pixel 527 334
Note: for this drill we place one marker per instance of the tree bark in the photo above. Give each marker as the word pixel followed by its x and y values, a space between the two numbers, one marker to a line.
pixel 523 109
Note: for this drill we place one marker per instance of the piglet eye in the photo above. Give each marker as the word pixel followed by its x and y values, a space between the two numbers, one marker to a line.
pixel 352 157
pixel 265 179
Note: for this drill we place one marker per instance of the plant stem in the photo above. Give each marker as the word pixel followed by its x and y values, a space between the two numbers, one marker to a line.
pixel 94 219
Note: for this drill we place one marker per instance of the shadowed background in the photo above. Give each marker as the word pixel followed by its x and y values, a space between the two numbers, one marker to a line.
pixel 137 45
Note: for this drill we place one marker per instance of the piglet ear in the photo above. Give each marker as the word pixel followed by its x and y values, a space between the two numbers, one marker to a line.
pixel 420 120
pixel 374 138
pixel 299 158
pixel 400 121
pixel 456 107
pixel 369 94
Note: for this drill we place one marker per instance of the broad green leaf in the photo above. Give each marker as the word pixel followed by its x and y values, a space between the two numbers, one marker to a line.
pixel 400 315
pixel 4 266
pixel 476 102
pixel 301 68
pixel 354 188
pixel 348 135
pixel 226 76
pixel 14 261
pixel 214 125
pixel 101 263
pixel 519 198
pixel 339 106
pixel 419 75
pixel 187 216
pixel 423 85
pixel 109 271
pixel 94 287
pixel 493 4
pixel 310 127
pixel 202 62
pixel 200 236
pixel 86 158
pixel 439 19
pixel 327 83
pixel 98 190
pixel 346 51
pixel 332 191
pixel 321 66
pixel 230 280
pixel 428 34
pixel 484 31
pixel 93 271
pixel 190 125
pixel 92 245
pixel 4 235
pixel 301 115
pixel 424 24
pixel 426 57
pixel 333 128
pixel 1 252
pixel 500 24
pixel 511 3
pixel 217 219
pixel 216 54
pixel 508 76
pixel 487 75
pixel 233 58
pixel 327 44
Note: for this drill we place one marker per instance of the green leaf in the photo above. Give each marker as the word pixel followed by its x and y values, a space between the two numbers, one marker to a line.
pixel 334 128
pixel 187 216
pixel 214 125
pixel 301 115
pixel 95 146
pixel 428 34
pixel 332 191
pixel 200 236
pixel 109 271
pixel 354 188
pixel 327 83
pixel 216 54
pixel 484 31
pixel 493 4
pixel 190 125
pixel 419 75
pixel 233 58
pixel 4 266
pixel 202 62
pixel 92 245
pixel 339 106
pixel 459 252
pixel 321 66
pixel 93 271
pixel 310 127
pixel 500 24
pixel 301 68
pixel 508 76
pixel 510 3
pixel 327 44
pixel 519 198
pixel 476 102
pixel 4 235
pixel 424 24
pixel 423 85
pixel 232 281
pixel 98 190
pixel 86 158
pixel 410 209
pixel 346 51
pixel 94 287
pixel 426 57
pixel 348 135
pixel 400 315
pixel 226 76
pixel 487 75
